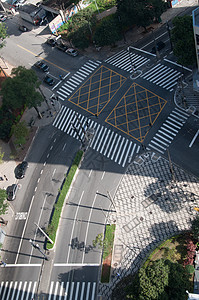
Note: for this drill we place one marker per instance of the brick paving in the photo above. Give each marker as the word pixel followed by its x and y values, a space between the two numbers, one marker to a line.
pixel 151 205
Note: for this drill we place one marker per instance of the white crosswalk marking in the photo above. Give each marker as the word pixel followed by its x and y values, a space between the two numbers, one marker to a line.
pixel 168 131
pixel 163 76
pixel 125 60
pixel 73 290
pixel 105 141
pixel 17 290
pixel 58 290
pixel 72 83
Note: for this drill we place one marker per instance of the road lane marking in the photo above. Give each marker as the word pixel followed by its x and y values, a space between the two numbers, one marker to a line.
pixel 88 223
pixel 42 58
pixel 194 138
pixel 41 172
pixel 20 215
pixel 74 221
pixel 103 175
pixel 54 172
pixel 90 173
pixel 63 147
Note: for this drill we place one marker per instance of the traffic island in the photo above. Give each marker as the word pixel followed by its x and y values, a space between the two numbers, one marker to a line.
pixel 107 253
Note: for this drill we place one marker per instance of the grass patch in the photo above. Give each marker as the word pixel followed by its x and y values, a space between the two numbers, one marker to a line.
pixel 173 249
pixel 53 226
pixel 107 253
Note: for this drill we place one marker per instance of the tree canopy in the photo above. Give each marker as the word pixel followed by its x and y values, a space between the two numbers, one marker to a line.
pixel 141 13
pixel 3 34
pixel 3 202
pixel 21 89
pixel 182 35
pixel 160 280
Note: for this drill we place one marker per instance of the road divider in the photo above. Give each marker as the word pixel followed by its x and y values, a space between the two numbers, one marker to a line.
pixel 56 213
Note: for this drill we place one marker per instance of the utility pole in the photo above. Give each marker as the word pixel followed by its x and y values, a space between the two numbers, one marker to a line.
pixel 155 44
pixel 169 32
pixel 171 167
pixel 111 199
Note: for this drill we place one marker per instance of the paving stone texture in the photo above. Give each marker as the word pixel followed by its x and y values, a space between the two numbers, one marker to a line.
pixel 152 203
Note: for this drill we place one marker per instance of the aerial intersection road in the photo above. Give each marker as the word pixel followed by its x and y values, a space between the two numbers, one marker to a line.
pixel 129 115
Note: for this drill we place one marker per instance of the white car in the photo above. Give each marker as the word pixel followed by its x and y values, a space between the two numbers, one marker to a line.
pixel 71 52
pixel 3 18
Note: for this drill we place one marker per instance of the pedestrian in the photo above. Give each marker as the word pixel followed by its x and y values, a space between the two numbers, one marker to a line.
pixel 2 263
pixel 60 76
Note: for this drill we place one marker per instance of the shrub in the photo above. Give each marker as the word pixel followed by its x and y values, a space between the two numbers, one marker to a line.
pixel 191 248
pixel 189 269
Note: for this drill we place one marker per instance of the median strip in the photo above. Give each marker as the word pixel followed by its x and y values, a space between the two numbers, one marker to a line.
pixel 56 213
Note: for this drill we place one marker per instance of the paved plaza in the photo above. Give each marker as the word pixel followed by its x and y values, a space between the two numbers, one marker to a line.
pixel 153 201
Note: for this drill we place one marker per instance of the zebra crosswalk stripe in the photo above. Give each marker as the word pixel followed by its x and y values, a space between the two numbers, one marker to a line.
pixel 105 141
pixel 68 87
pixel 168 131
pixel 163 76
pixel 125 59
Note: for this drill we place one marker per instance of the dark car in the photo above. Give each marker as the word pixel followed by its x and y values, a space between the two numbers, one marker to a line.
pixel 21 170
pixel 40 65
pixel 51 42
pixel 23 28
pixel 48 80
pixel 11 192
pixel 61 47
pixel 160 45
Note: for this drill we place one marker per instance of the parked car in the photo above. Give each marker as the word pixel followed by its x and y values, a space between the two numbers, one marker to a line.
pixel 160 45
pixel 42 66
pixel 12 191
pixel 3 18
pixel 72 52
pixel 23 28
pixel 61 46
pixel 49 80
pixel 21 170
pixel 51 42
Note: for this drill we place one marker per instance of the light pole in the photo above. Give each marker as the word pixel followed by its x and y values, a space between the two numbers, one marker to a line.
pixel 155 44
pixel 36 246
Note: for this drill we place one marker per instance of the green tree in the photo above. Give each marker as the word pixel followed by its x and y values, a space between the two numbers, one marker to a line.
pixel 3 34
pixel 182 35
pixel 153 279
pixel 107 32
pixel 195 227
pixel 20 132
pixel 80 28
pixel 158 7
pixel 3 202
pixel 21 89
pixel 99 240
pixel 1 155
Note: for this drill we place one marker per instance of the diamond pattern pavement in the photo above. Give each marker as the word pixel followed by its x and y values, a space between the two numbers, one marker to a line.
pixel 150 207
pixel 98 90
pixel 136 112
